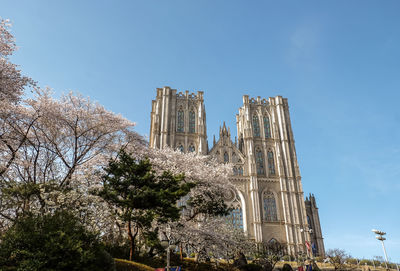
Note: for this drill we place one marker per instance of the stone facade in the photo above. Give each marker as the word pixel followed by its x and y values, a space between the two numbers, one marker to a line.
pixel 178 120
pixel 269 200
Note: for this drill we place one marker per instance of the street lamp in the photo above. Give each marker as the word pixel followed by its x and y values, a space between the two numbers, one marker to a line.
pixel 380 237
pixel 307 230
pixel 310 231
pixel 168 244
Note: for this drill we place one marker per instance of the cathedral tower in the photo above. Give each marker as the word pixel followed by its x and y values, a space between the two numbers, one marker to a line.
pixel 277 207
pixel 178 120
pixel 268 201
pixel 315 226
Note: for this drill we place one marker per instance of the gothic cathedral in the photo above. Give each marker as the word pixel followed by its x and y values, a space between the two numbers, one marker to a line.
pixel 269 201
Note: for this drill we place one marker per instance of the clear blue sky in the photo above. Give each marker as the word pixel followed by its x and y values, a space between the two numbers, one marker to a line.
pixel 338 63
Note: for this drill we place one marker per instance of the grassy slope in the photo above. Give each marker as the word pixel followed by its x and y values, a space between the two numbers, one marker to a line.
pixel 187 264
pixel 125 265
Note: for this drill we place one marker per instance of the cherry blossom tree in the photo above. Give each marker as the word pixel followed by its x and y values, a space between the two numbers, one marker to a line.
pixel 13 123
pixel 68 140
pixel 202 226
pixel 338 257
pixel 212 237
pixel 12 83
pixel 53 151
pixel 210 176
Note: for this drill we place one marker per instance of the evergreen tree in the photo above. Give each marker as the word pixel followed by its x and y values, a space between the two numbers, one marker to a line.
pixel 52 242
pixel 140 196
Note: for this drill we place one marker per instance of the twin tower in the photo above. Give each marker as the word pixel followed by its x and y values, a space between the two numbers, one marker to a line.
pixel 268 203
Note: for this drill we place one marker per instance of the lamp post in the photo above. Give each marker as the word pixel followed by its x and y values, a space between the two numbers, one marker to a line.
pixel 310 231
pixel 379 236
pixel 168 244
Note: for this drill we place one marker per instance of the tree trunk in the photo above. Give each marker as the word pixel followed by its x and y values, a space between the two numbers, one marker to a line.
pixel 132 241
pixel 181 250
pixel 151 252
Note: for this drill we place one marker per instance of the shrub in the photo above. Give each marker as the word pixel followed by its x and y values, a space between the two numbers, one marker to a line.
pixel 368 262
pixel 352 261
pixel 52 242
pixel 142 262
pixel 287 267
pixel 288 258
pixel 250 267
pixel 118 250
pixel 376 262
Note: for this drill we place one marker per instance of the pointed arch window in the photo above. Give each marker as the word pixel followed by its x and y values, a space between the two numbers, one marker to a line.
pixel 309 222
pixel 235 171
pixel 180 148
pixel 218 157
pixel 192 122
pixel 234 158
pixel 226 157
pixel 267 127
pixel 273 241
pixel 191 148
pixel 235 217
pixel 181 118
pixel 240 171
pixel 256 126
pixel 270 213
pixel 241 144
pixel 271 163
pixel 260 162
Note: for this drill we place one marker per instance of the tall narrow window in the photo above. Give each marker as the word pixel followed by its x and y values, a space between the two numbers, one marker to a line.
pixel 192 122
pixel 226 157
pixel 235 171
pixel 267 127
pixel 260 162
pixel 235 217
pixel 256 126
pixel 180 148
pixel 191 148
pixel 240 171
pixel 271 164
pixel 241 144
pixel 309 222
pixel 181 117
pixel 270 207
pixel 234 158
